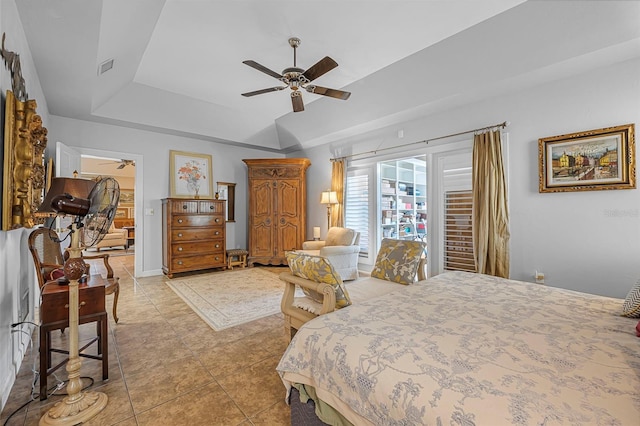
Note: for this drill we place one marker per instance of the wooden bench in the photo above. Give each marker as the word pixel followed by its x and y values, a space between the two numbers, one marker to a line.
pixel 236 257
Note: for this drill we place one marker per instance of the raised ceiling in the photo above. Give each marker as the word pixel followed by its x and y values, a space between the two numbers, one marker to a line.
pixel 178 63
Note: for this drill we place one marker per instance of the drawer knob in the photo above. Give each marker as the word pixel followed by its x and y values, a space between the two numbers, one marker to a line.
pixel 179 262
pixel 217 245
pixel 79 306
pixel 179 248
pixel 179 234
pixel 184 207
pixel 179 220
pixel 217 220
pixel 217 233
pixel 211 207
pixel 217 258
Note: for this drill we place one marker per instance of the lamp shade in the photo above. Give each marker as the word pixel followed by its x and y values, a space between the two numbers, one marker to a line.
pixel 329 197
pixel 76 187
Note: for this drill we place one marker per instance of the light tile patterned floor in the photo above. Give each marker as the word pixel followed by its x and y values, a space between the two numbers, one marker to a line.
pixel 168 367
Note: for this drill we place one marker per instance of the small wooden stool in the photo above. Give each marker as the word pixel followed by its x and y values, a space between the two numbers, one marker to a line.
pixel 236 257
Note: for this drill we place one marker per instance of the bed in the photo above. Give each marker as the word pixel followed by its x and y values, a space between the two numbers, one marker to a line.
pixel 471 349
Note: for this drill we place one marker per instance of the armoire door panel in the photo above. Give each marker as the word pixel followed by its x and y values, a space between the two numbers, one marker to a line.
pixel 288 198
pixel 289 236
pixel 262 193
pixel 263 241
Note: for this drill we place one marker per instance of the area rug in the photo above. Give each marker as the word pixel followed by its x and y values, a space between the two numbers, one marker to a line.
pixel 227 299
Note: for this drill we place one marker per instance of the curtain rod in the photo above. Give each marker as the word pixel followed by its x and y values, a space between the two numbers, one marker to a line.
pixel 375 151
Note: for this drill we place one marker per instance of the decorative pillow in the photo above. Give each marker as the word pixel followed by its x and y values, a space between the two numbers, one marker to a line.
pixel 320 270
pixel 337 236
pixel 631 306
pixel 398 260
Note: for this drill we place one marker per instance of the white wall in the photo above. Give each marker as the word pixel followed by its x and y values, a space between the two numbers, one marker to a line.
pixel 586 241
pixel 16 265
pixel 155 147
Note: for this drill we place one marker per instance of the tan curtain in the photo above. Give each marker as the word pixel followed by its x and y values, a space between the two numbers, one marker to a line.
pixel 337 185
pixel 490 211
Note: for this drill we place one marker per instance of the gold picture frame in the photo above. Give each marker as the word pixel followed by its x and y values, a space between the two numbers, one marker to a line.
pixel 122 213
pixel 191 175
pixel 592 160
pixel 24 172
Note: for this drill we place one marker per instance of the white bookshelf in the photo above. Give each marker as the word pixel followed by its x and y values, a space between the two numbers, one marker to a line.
pixel 403 200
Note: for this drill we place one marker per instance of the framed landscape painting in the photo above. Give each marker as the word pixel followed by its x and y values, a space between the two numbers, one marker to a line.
pixel 588 161
pixel 191 175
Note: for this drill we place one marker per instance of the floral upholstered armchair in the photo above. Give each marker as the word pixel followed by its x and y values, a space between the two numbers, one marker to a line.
pixel 341 248
pixel 399 263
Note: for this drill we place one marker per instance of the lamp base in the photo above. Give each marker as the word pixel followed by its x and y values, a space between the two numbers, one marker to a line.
pixel 81 409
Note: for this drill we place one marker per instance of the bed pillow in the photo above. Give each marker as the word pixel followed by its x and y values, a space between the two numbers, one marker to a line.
pixel 398 260
pixel 631 306
pixel 320 270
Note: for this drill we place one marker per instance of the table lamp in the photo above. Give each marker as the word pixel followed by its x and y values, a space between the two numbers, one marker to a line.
pixel 329 198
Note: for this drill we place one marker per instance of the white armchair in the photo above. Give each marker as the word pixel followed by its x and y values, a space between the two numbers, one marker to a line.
pixel 341 247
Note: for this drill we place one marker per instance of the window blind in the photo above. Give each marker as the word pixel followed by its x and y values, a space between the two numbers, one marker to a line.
pixel 357 207
pixel 458 238
pixel 457 204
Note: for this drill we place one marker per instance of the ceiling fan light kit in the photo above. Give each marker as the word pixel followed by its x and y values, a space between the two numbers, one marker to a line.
pixel 297 78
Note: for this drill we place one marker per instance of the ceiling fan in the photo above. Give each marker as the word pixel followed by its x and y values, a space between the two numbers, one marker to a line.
pixel 123 163
pixel 296 78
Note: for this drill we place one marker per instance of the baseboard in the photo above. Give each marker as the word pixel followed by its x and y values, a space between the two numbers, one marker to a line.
pixel 5 389
pixel 151 273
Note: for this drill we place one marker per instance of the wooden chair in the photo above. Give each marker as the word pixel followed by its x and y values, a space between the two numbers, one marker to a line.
pixel 48 256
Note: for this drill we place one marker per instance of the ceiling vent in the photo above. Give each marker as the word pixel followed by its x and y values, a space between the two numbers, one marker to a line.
pixel 105 66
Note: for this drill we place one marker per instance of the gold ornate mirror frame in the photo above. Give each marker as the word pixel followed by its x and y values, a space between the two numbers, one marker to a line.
pixel 24 172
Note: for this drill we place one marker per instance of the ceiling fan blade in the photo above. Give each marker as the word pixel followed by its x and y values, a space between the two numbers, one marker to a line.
pixel 321 67
pixel 296 100
pixel 254 64
pixel 260 92
pixel 325 91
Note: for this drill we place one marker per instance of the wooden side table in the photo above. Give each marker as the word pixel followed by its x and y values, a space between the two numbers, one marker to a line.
pixel 131 235
pixel 54 315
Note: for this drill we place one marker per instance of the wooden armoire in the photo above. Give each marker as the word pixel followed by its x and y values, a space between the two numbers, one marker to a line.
pixel 277 211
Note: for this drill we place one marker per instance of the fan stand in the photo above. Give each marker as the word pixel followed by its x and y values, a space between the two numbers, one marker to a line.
pixel 77 407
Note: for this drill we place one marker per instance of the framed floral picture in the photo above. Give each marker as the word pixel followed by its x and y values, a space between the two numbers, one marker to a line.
pixel 191 175
pixel 589 160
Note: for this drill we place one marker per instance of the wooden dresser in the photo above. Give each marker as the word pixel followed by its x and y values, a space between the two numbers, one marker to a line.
pixel 277 208
pixel 193 235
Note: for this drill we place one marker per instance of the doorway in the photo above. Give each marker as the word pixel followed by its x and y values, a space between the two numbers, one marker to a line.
pixel 70 158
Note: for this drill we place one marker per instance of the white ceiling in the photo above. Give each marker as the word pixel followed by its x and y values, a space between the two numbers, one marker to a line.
pixel 178 63
pixel 99 166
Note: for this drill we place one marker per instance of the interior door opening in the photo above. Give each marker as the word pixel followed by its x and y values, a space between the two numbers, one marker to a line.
pixel 122 231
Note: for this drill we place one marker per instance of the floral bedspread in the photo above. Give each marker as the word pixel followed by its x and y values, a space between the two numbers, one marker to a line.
pixel 469 349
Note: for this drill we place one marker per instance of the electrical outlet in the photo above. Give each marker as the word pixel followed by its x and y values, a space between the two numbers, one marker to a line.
pixel 539 276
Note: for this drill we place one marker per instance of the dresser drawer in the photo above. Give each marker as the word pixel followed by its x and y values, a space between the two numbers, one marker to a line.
pixel 211 207
pixel 180 221
pixel 190 206
pixel 188 263
pixel 55 302
pixel 197 247
pixel 195 234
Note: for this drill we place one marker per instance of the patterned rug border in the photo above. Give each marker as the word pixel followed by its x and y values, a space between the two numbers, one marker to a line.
pixel 184 288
